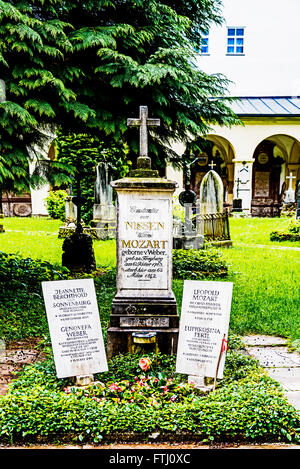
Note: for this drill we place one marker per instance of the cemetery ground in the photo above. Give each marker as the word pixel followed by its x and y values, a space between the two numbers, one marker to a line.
pixel 157 404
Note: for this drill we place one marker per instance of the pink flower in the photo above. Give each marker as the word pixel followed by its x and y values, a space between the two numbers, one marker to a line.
pixel 113 387
pixel 145 363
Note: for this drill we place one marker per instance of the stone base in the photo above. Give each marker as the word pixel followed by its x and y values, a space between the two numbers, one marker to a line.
pixel 78 253
pixel 188 242
pixel 201 383
pixel 103 229
pixel 156 317
pixel 121 340
pixel 136 306
pixel 225 243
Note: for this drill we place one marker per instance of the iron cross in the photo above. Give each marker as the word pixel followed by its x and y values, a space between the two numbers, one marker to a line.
pixel 143 122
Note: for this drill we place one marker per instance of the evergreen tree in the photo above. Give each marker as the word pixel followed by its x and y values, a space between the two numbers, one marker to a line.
pixel 84 67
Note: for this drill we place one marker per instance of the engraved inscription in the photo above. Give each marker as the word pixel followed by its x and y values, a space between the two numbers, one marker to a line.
pixel 144 322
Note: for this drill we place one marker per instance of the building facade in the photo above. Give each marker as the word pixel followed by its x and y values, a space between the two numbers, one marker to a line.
pixel 257 49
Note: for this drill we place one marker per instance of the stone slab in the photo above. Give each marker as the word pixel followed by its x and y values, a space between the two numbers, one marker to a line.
pixel 263 340
pixel 275 357
pixel 289 378
pixel 294 398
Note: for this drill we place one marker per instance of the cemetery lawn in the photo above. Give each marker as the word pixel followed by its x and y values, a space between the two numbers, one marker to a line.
pixel 266 275
pixel 247 405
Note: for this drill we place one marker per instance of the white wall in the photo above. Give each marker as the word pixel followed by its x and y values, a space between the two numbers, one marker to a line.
pixel 271 64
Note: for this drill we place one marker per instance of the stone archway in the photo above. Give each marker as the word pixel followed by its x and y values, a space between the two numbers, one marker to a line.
pixel 219 152
pixel 274 159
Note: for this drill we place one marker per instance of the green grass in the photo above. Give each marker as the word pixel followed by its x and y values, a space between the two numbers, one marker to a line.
pixel 37 238
pixel 256 231
pixel 266 275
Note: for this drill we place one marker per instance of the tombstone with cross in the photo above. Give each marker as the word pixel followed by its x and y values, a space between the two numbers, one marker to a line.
pixel 144 309
pixel 290 193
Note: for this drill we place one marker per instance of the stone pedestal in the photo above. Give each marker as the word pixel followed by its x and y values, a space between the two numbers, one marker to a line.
pixel 144 301
pixel 188 242
pixel 103 224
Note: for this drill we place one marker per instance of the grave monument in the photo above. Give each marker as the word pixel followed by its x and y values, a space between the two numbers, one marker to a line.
pixel 290 193
pixel 204 323
pixel 104 217
pixel 144 309
pixel 188 237
pixel 211 193
pixel 78 253
pixel 75 329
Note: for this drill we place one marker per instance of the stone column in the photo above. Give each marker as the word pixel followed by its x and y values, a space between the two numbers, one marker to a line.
pixel 243 172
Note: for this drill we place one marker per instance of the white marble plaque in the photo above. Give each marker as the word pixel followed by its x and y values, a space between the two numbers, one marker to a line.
pixel 204 320
pixel 75 329
pixel 144 244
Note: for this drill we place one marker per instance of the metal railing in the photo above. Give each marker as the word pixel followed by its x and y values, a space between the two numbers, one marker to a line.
pixel 213 226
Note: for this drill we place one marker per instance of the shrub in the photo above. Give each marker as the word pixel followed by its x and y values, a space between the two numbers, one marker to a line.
pixel 198 264
pixel 55 203
pixel 292 234
pixel 16 272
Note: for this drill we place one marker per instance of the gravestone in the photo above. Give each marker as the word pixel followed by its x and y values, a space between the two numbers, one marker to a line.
pixel 203 329
pixel 188 236
pixel 70 209
pixel 211 193
pixel 104 216
pixel 290 193
pixel 144 301
pixel 75 329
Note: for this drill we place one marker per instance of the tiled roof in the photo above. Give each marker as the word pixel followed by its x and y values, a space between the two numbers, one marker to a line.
pixel 267 106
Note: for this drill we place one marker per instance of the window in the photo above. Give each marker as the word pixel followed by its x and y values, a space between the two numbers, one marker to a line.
pixel 202 47
pixel 204 43
pixel 235 41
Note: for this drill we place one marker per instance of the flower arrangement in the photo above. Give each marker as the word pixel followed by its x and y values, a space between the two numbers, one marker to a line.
pixel 144 390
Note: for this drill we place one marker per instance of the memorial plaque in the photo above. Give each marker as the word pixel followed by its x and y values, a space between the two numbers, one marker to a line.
pixel 204 322
pixel 75 329
pixel 262 184
pixel 144 322
pixel 144 235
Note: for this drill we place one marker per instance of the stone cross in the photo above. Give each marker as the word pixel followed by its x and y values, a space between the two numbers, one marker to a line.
pixel 291 177
pixel 143 122
pixel 212 165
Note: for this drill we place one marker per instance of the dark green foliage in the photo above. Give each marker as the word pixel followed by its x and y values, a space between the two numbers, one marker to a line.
pixel 55 203
pixel 84 67
pixel 76 160
pixel 193 264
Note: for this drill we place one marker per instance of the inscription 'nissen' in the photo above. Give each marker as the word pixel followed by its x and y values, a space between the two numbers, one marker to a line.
pixel 146 225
